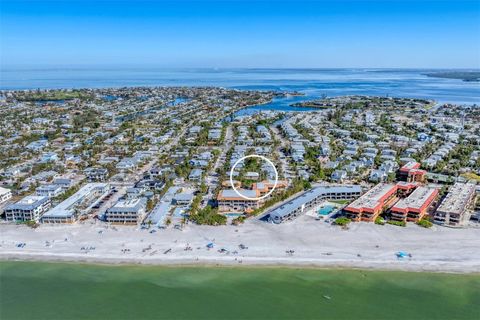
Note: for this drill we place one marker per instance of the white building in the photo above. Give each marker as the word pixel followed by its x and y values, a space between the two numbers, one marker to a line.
pixel 49 190
pixel 127 211
pixel 78 204
pixel 311 199
pixel 29 208
pixel 453 209
pixel 5 194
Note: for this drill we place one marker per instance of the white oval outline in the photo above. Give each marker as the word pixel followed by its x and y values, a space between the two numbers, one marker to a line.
pixel 253 156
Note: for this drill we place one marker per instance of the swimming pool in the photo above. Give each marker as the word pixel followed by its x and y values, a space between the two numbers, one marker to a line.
pixel 233 215
pixel 325 210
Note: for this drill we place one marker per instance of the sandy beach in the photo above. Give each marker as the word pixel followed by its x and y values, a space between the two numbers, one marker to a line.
pixel 315 244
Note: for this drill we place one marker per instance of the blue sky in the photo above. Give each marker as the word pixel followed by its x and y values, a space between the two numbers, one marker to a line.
pixel 430 34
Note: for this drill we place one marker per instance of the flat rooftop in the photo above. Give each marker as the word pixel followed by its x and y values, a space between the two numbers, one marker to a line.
pixel 457 198
pixel 417 200
pixel 229 194
pixel 28 203
pixel 133 205
pixel 374 196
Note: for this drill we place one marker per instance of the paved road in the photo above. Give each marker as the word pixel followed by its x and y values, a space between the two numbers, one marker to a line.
pixel 283 144
pixel 211 179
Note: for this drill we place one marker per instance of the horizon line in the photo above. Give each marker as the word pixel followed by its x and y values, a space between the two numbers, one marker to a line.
pixel 129 66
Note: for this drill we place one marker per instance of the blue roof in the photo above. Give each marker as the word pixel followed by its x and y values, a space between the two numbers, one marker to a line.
pixel 310 195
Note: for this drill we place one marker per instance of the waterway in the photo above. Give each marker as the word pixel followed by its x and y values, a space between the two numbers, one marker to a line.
pixel 311 82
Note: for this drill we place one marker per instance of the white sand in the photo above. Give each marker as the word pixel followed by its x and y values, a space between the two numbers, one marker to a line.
pixel 315 244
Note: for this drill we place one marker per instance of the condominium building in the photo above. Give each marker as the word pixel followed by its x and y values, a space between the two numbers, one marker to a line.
pixel 78 204
pixel 312 198
pixel 372 203
pixel 411 172
pixel 127 211
pixel 415 206
pixel 5 194
pixel 452 211
pixel 230 201
pixel 266 186
pixel 29 208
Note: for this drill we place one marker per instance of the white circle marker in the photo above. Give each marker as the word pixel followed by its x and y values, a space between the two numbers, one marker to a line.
pixel 253 156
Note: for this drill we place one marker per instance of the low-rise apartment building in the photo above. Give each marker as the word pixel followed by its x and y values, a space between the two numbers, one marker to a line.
pixel 230 201
pixel 415 206
pixel 78 204
pixel 411 172
pixel 372 203
pixel 452 211
pixel 265 186
pixel 28 208
pixel 127 211
pixel 312 198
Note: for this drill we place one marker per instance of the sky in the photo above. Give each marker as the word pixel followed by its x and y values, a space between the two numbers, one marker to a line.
pixel 241 34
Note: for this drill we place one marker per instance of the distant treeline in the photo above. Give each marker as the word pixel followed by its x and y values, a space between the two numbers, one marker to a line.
pixel 52 95
pixel 461 75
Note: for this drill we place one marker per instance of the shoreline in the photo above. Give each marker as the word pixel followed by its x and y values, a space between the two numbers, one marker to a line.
pixel 265 264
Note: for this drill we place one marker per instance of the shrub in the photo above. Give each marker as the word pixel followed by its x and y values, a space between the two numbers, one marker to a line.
pixel 238 220
pixel 380 221
pixel 425 223
pixel 31 224
pixel 397 223
pixel 342 221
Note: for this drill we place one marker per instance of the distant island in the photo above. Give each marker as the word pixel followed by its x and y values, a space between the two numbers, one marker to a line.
pixel 352 102
pixel 53 95
pixel 461 75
